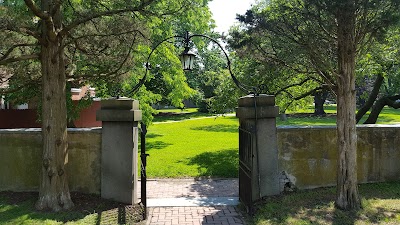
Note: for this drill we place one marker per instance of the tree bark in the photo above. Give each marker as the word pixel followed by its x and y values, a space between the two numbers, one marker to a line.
pixel 371 98
pixel 319 100
pixel 391 101
pixel 347 197
pixel 53 191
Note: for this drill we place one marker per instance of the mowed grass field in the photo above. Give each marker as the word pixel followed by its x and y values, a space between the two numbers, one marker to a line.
pixel 193 148
pixel 192 144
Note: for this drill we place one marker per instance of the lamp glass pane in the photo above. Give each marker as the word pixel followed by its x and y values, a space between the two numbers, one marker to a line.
pixel 191 61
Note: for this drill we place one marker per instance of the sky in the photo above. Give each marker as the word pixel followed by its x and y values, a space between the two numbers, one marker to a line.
pixel 224 12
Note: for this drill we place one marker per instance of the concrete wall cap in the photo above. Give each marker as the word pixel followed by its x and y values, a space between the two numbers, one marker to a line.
pixel 120 104
pixel 261 100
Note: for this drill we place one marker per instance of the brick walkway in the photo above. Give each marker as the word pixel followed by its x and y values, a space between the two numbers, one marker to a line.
pixel 178 189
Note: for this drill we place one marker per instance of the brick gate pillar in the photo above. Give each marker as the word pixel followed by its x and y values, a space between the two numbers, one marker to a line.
pixel 119 154
pixel 257 117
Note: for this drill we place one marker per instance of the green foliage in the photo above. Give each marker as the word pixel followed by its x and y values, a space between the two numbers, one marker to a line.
pixel 291 46
pixel 108 52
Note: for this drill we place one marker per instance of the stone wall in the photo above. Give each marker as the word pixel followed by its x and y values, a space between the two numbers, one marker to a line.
pixel 307 155
pixel 21 152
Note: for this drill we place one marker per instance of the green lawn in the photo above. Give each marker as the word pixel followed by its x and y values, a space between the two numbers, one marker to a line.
pixel 387 116
pixel 193 148
pixel 381 205
pixel 189 145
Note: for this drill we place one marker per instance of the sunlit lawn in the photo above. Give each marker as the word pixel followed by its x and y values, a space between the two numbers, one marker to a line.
pixel 381 205
pixel 387 116
pixel 193 148
pixel 190 145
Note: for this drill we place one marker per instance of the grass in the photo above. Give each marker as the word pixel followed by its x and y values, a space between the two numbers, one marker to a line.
pixel 303 117
pixel 18 208
pixel 380 201
pixel 193 148
pixel 166 115
pixel 207 147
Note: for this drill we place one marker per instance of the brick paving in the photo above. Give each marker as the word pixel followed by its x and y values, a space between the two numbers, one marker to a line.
pixel 176 188
pixel 180 188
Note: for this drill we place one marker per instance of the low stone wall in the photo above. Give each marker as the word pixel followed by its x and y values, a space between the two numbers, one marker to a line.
pixel 21 152
pixel 307 155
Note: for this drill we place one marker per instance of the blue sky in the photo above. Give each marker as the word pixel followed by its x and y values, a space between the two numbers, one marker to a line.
pixel 224 12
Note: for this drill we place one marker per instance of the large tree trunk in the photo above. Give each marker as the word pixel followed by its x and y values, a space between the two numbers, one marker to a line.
pixel 53 191
pixel 371 98
pixel 347 191
pixel 319 100
pixel 391 101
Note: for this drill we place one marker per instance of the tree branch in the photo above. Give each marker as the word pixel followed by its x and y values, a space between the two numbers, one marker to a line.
pixel 102 14
pixel 18 59
pixel 11 49
pixel 28 83
pixel 371 98
pixel 391 101
pixel 39 13
pixel 7 25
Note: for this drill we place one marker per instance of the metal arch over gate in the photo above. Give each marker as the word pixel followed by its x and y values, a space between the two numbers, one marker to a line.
pixel 253 182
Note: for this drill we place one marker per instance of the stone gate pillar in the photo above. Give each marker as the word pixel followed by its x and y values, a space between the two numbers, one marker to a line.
pixel 257 119
pixel 119 154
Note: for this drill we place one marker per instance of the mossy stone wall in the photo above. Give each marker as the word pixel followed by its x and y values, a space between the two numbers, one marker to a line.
pixel 308 155
pixel 21 152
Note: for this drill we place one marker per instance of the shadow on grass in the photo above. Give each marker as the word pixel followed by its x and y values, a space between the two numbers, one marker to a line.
pixel 179 116
pixel 223 163
pixel 380 205
pixel 156 145
pixel 152 135
pixel 18 208
pixel 218 128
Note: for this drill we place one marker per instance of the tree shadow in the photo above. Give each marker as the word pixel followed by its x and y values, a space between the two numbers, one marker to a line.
pixel 18 207
pixel 162 117
pixel 222 163
pixel 317 206
pixel 223 215
pixel 152 135
pixel 218 128
pixel 156 145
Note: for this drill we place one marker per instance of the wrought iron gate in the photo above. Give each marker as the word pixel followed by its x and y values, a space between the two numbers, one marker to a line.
pixel 143 176
pixel 246 168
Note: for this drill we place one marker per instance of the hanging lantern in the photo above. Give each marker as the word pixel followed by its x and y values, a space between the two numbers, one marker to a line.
pixel 187 59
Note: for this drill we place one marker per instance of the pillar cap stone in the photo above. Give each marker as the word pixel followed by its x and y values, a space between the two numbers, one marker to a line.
pixel 120 104
pixel 122 109
pixel 261 100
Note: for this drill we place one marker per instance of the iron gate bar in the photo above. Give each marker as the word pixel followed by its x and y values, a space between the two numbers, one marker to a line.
pixel 143 175
pixel 246 168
